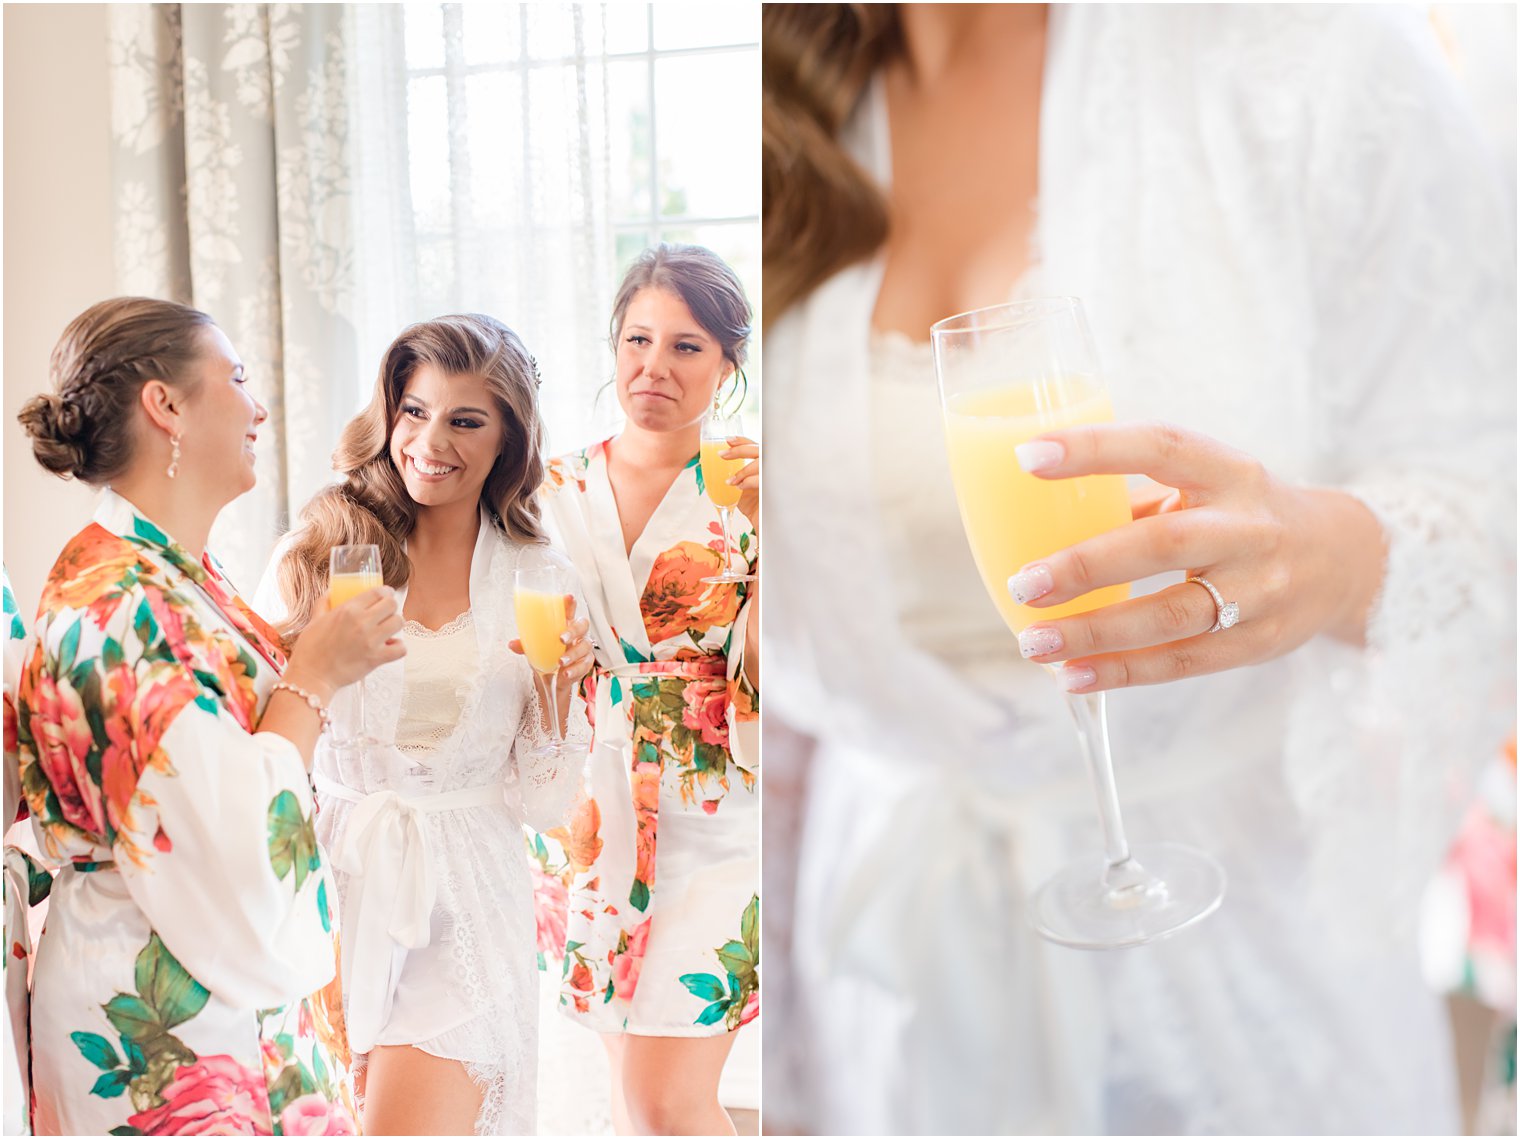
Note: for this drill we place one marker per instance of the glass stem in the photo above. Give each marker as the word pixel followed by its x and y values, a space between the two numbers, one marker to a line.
pixel 728 561
pixel 1091 716
pixel 556 728
pixel 359 709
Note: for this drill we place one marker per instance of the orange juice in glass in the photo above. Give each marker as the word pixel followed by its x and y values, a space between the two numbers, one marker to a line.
pixel 351 571
pixel 1008 374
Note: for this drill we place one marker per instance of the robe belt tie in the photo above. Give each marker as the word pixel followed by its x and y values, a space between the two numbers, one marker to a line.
pixel 391 889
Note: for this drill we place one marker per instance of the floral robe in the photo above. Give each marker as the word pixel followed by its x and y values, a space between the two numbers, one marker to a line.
pixel 661 862
pixel 184 980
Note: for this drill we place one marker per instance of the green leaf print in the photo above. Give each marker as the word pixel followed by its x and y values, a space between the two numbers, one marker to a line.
pixel 292 838
pixel 167 986
pixel 124 1129
pixel 208 704
pixel 111 655
pixel 134 1019
pixel 710 757
pixel 714 1012
pixel 638 897
pixel 18 630
pixel 704 986
pixel 744 542
pixel 616 690
pixel 284 1090
pixel 39 883
pixel 136 1061
pixel 322 908
pixel 209 680
pixel 749 928
pixel 631 654
pixel 96 1049
pixel 69 648
pixel 142 528
pixel 144 625
pixel 112 1084
pixel 736 959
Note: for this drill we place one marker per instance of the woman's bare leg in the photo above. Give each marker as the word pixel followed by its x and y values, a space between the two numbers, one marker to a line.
pixel 409 1092
pixel 613 1042
pixel 669 1084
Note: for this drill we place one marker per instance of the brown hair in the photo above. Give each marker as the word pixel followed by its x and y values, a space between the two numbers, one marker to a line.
pixel 705 282
pixel 822 212
pixel 83 429
pixel 371 503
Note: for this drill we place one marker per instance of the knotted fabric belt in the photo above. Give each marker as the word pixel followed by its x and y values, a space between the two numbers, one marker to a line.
pixel 388 902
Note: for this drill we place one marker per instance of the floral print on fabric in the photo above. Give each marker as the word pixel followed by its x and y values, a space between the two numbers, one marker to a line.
pixel 137 762
pixel 670 802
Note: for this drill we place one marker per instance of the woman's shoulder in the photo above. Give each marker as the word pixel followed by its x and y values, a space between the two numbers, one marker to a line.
pixel 570 469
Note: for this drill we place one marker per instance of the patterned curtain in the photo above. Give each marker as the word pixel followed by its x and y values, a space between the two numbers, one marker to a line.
pixel 234 184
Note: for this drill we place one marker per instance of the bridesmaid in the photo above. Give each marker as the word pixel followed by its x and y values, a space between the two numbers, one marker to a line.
pixel 182 982
pixel 662 948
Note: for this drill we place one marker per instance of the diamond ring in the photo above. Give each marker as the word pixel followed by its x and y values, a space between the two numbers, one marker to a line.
pixel 1226 613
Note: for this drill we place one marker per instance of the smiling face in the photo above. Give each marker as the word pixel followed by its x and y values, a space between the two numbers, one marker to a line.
pixel 220 422
pixel 668 366
pixel 446 437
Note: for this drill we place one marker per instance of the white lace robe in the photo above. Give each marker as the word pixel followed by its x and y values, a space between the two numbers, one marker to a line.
pixel 466 988
pixel 1288 236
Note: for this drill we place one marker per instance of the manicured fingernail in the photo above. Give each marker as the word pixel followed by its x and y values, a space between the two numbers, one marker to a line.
pixel 564 638
pixel 1076 679
pixel 1039 454
pixel 1031 582
pixel 1039 642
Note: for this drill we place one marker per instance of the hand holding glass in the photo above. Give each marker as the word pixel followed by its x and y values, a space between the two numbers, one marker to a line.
pixel 542 596
pixel 1008 374
pixel 716 471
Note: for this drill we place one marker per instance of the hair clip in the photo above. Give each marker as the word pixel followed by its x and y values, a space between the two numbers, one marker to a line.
pixel 538 378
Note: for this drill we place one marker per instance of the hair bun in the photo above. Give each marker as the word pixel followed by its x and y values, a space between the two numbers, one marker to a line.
pixel 55 426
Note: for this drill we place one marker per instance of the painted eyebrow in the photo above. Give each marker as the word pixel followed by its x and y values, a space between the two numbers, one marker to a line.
pixel 454 411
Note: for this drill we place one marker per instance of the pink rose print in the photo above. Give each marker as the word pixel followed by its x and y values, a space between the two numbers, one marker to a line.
pixel 213 1096
pixel 625 970
pixel 551 904
pixel 706 710
pixel 751 1010
pixel 313 1115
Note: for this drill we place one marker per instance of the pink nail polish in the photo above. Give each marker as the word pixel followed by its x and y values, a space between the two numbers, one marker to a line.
pixel 1039 454
pixel 1076 679
pixel 1031 582
pixel 1038 642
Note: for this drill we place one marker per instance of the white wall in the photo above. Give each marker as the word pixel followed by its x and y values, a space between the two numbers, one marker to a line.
pixel 57 251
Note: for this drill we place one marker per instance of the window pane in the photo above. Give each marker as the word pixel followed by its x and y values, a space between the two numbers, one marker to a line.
pixel 424 35
pixel 630 243
pixel 428 140
pixel 494 134
pixel 627 28
pixel 738 244
pixel 492 33
pixel 629 140
pixel 705 25
pixel 707 124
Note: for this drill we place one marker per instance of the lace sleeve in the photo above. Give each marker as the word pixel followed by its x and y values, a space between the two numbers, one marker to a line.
pixel 1415 287
pixel 550 787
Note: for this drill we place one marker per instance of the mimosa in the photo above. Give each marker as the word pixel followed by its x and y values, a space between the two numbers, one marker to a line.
pixel 344 587
pixel 1013 518
pixel 542 619
pixel 716 471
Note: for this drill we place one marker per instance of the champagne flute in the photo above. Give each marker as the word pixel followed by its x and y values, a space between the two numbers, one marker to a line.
pixel 541 597
pixel 1006 375
pixel 716 471
pixel 353 570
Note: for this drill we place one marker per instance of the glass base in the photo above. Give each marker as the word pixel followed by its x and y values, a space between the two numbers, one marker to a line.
pixel 1163 888
pixel 552 750
pixel 727 578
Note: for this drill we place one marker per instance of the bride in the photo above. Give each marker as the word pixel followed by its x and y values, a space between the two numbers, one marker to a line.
pixel 440 981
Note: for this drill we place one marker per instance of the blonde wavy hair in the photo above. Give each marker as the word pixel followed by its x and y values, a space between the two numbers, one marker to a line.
pixel 822 212
pixel 371 504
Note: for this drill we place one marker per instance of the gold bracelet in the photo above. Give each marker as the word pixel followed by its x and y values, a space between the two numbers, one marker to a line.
pixel 311 700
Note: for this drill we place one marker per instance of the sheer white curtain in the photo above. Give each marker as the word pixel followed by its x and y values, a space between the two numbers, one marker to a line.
pixel 484 162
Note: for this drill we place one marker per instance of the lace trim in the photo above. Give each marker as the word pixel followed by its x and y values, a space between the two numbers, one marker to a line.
pixel 417 629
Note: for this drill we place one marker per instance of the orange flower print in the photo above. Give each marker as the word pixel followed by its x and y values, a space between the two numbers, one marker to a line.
pixel 326 1005
pixel 676 601
pixel 627 965
pixel 582 839
pixel 742 696
pixel 92 572
pixel 562 471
